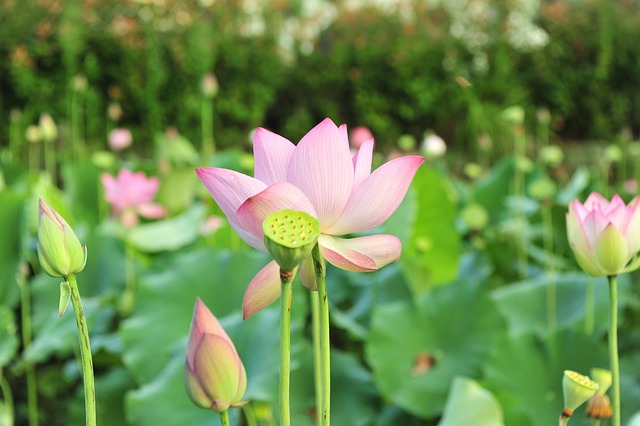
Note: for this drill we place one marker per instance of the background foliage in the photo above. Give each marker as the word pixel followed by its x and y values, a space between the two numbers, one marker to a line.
pixel 463 326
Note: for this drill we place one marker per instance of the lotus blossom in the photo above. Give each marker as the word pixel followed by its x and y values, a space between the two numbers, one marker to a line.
pixel 214 375
pixel 131 195
pixel 605 235
pixel 320 177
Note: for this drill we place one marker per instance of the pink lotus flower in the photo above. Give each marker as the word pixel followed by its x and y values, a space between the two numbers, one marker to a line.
pixel 214 375
pixel 320 177
pixel 605 235
pixel 130 195
pixel 120 139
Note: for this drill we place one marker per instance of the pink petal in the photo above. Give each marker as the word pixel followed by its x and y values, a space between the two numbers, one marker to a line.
pixel 362 162
pixel 377 197
pixel 263 290
pixel 593 225
pixel 203 321
pixel 230 189
pixel 151 210
pixel 321 167
pixel 594 199
pixel 338 252
pixel 276 197
pixel 272 153
pixel 308 274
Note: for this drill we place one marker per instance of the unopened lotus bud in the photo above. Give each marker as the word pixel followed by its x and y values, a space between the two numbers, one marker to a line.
pixel 209 85
pixel 603 378
pixel 577 389
pixel 214 376
pixel 289 236
pixel 48 128
pixel 433 146
pixel 33 134
pixel 59 251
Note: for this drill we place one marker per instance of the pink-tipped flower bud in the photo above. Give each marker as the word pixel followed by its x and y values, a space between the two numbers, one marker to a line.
pixel 605 235
pixel 48 128
pixel 59 250
pixel 214 375
pixel 120 139
pixel 209 85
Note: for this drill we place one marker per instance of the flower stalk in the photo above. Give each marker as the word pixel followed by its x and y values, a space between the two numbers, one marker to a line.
pixel 224 418
pixel 325 362
pixel 613 347
pixel 85 352
pixel 285 346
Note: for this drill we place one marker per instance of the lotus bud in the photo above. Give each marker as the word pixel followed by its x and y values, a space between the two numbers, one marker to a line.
pixel 214 375
pixel 289 236
pixel 577 389
pixel 59 251
pixel 605 235
pixel 119 139
pixel 48 128
pixel 209 85
pixel 433 146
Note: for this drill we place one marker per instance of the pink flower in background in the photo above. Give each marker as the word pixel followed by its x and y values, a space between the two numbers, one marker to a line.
pixel 120 139
pixel 358 136
pixel 318 176
pixel 605 235
pixel 131 195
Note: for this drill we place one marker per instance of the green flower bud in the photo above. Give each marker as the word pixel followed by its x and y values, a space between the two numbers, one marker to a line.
pixel 59 251
pixel 603 378
pixel 289 236
pixel 577 389
pixel 48 128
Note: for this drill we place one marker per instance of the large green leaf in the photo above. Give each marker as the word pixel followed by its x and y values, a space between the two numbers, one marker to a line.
pixel 165 300
pixel 469 404
pixel 525 374
pixel 163 400
pixel 431 253
pixel 82 184
pixel 416 349
pixel 525 305
pixel 168 234
pixel 10 250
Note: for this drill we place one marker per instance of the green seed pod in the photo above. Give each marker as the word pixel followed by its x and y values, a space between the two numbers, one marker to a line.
pixel 577 390
pixel 289 236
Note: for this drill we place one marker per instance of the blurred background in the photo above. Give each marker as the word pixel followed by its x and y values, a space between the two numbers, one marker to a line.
pixel 519 106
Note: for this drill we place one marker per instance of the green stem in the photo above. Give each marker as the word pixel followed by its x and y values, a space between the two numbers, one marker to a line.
pixel 32 392
pixel 8 398
pixel 208 143
pixel 249 415
pixel 547 225
pixel 317 352
pixel 589 316
pixel 85 353
pixel 285 346
pixel 613 347
pixel 320 271
pixel 224 418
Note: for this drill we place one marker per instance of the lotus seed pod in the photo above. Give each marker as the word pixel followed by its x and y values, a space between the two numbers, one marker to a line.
pixel 289 236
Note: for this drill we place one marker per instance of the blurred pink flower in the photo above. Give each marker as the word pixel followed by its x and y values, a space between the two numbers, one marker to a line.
pixel 318 176
pixel 605 235
pixel 120 139
pixel 358 136
pixel 131 195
